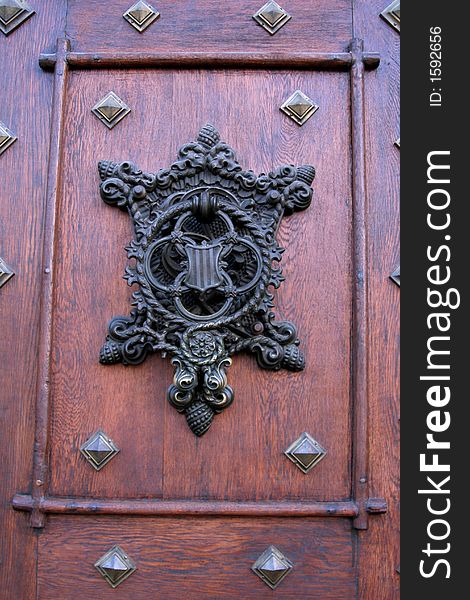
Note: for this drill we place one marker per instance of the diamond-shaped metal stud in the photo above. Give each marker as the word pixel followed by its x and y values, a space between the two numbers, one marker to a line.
pixel 299 107
pixel 305 452
pixel 272 17
pixel 13 13
pixel 115 566
pixel 110 110
pixel 141 15
pixel 5 273
pixel 272 566
pixel 99 450
pixel 392 15
pixel 7 138
pixel 395 276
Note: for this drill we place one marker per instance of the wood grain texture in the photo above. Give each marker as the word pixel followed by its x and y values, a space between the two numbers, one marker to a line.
pixel 210 25
pixel 46 300
pixel 25 108
pixel 195 558
pixel 379 546
pixel 241 457
pixel 148 507
pixel 359 372
pixel 329 61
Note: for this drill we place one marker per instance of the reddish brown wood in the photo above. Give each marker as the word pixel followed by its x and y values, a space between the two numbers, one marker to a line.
pixel 239 60
pixel 379 547
pixel 210 25
pixel 360 309
pixel 214 64
pixel 196 558
pixel 25 108
pixel 40 462
pixel 189 507
pixel 242 456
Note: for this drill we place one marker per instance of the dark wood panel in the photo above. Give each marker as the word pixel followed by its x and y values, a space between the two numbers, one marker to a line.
pixel 25 109
pixel 379 546
pixel 241 457
pixel 196 558
pixel 210 25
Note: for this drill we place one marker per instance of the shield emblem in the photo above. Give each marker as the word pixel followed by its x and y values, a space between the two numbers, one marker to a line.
pixel 203 266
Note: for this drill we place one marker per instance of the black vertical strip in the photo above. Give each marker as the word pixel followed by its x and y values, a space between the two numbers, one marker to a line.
pixel 434 270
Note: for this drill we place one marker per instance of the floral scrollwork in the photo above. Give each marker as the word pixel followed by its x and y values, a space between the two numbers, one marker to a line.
pixel 205 258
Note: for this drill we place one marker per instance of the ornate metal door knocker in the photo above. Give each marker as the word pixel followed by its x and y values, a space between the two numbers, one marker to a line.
pixel 205 255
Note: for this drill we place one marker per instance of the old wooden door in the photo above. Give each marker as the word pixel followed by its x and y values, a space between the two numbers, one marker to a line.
pixel 193 514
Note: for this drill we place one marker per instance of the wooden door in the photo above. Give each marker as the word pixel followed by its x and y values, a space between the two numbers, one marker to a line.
pixel 191 513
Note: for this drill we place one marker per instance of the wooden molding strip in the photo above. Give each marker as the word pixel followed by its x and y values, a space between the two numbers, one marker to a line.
pixel 40 457
pixel 334 61
pixel 359 368
pixel 150 507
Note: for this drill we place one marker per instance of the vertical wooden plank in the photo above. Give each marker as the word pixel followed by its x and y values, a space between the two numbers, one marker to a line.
pixel 379 546
pixel 241 457
pixel 360 482
pixel 126 402
pixel 25 108
pixel 43 399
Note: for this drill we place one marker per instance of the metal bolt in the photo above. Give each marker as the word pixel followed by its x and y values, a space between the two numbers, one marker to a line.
pixel 139 191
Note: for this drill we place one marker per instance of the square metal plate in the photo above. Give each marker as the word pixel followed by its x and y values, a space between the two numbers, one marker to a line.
pixel 272 567
pixel 305 452
pixel 272 17
pixel 392 15
pixel 7 138
pixel 140 15
pixel 5 273
pixel 395 276
pixel 115 566
pixel 110 110
pixel 99 449
pixel 13 13
pixel 299 107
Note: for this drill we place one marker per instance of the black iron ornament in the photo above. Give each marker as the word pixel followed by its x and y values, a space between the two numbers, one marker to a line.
pixel 205 255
